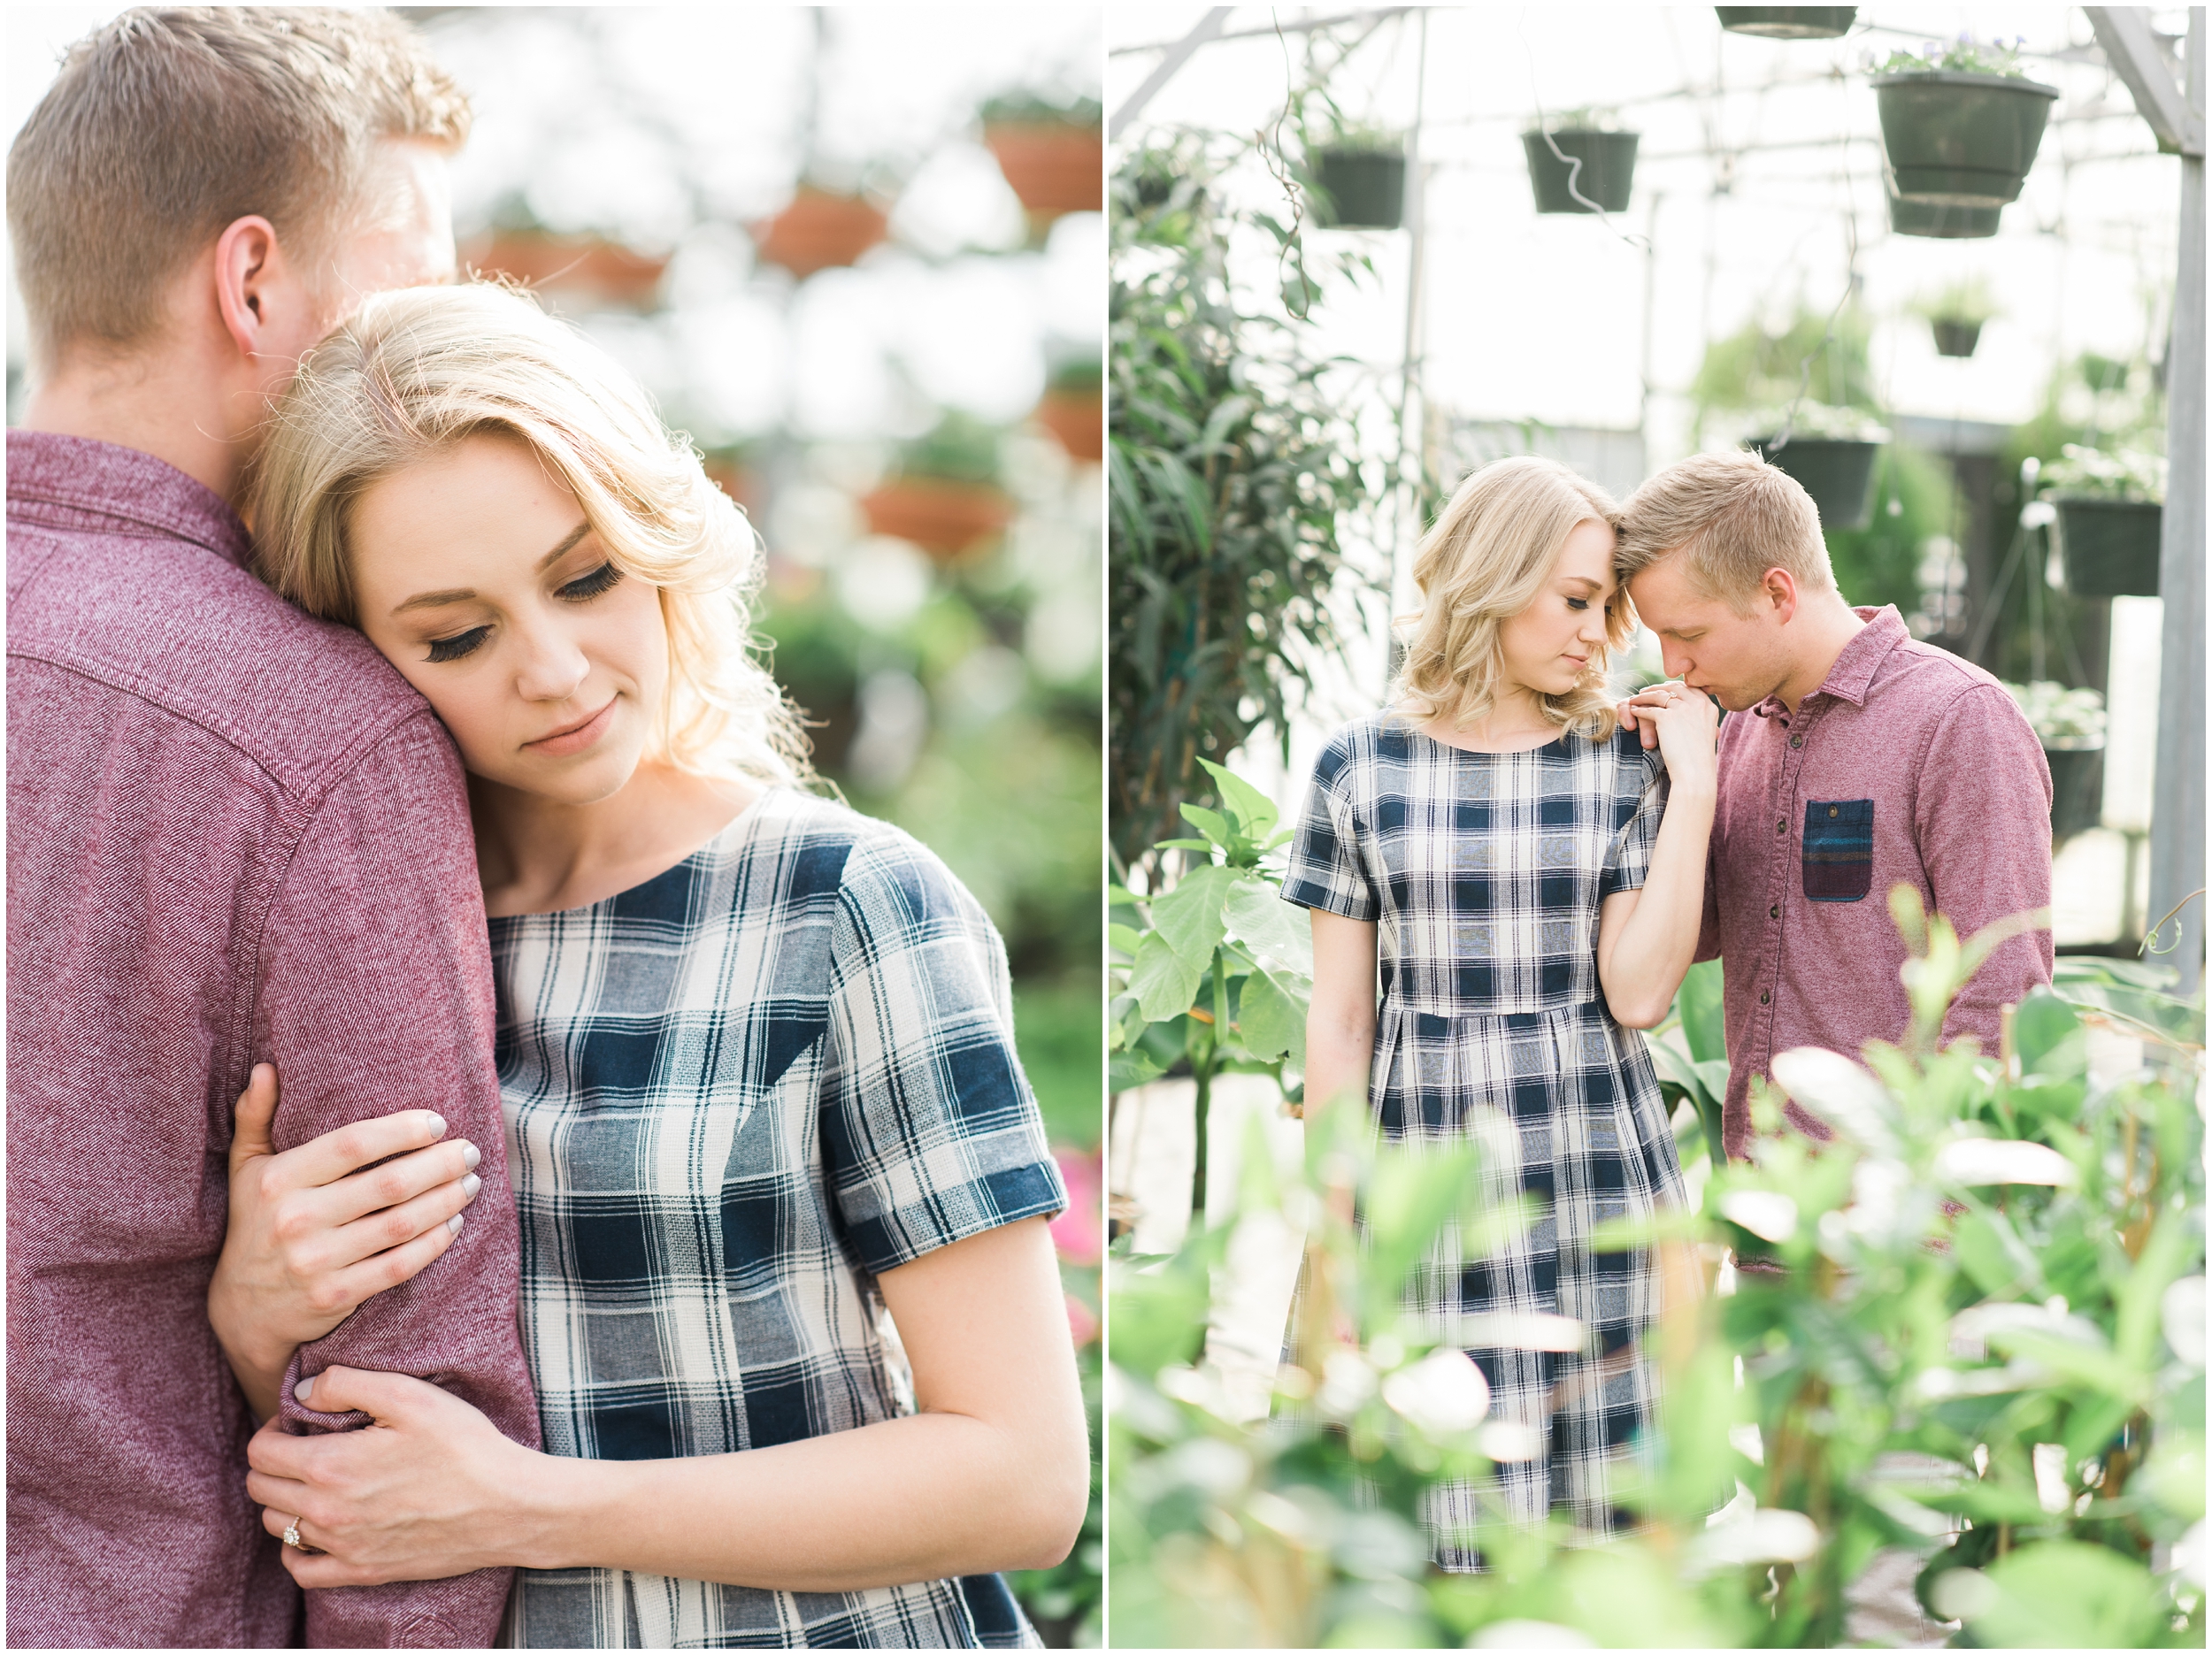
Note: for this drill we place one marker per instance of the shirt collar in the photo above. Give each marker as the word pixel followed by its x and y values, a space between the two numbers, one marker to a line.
pixel 102 480
pixel 1854 670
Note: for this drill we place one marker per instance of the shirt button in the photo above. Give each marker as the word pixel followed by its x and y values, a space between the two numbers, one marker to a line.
pixel 1775 912
pixel 1764 997
pixel 1797 741
pixel 1783 826
pixel 1831 809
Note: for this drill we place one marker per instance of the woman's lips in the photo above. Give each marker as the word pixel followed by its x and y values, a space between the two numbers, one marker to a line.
pixel 576 736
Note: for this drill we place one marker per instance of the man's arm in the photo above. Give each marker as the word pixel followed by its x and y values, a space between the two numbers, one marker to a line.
pixel 1982 819
pixel 374 993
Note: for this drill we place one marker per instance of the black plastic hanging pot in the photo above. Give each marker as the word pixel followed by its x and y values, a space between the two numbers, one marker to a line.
pixel 1360 189
pixel 1961 140
pixel 1608 167
pixel 2109 548
pixel 1837 472
pixel 1928 218
pixel 1954 338
pixel 1788 22
pixel 2076 788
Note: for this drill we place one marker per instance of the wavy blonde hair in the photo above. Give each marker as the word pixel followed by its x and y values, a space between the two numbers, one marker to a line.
pixel 417 372
pixel 1484 560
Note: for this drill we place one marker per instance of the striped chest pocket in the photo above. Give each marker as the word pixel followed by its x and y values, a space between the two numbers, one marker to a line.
pixel 1839 856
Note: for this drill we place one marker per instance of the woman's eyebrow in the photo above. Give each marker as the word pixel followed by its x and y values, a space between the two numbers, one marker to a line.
pixel 553 556
pixel 462 594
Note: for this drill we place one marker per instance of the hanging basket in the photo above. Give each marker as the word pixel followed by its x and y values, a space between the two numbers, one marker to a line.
pixel 819 231
pixel 1959 139
pixel 1608 166
pixel 1954 338
pixel 1077 419
pixel 1055 167
pixel 2076 788
pixel 1788 22
pixel 2109 548
pixel 588 268
pixel 1837 472
pixel 1360 189
pixel 1941 223
pixel 945 517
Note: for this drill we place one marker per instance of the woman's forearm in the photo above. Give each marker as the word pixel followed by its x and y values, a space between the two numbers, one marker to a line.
pixel 914 1499
pixel 1654 947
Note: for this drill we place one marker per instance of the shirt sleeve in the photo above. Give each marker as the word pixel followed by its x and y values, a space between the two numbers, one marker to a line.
pixel 1640 800
pixel 930 1132
pixel 374 994
pixel 1982 814
pixel 1325 869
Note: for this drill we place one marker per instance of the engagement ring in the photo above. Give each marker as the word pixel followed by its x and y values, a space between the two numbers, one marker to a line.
pixel 292 1535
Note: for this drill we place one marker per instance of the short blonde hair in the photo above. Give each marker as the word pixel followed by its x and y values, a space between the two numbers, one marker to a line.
pixel 1733 517
pixel 1485 562
pixel 170 123
pixel 419 370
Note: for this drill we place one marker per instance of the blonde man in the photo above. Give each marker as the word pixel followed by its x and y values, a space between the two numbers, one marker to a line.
pixel 1854 759
pixel 236 837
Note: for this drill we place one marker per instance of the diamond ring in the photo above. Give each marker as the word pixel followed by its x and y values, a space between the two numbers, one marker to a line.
pixel 292 1535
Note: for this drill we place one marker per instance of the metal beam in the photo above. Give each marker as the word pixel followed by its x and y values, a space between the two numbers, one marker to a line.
pixel 1162 72
pixel 1303 25
pixel 2124 32
pixel 2177 815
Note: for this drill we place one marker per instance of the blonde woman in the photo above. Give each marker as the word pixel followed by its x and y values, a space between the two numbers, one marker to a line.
pixel 755 1056
pixel 1529 881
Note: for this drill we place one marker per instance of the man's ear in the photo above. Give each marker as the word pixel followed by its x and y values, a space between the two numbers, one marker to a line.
pixel 249 272
pixel 1780 587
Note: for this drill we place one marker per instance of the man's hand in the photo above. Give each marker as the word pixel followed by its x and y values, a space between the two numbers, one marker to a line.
pixel 1684 725
pixel 312 1236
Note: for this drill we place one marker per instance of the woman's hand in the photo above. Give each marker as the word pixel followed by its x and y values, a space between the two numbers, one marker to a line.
pixel 430 1489
pixel 1688 726
pixel 310 1236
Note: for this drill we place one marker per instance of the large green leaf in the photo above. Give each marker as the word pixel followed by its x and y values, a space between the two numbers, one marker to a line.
pixel 2062 1594
pixel 1164 982
pixel 1272 1014
pixel 1699 1003
pixel 1188 918
pixel 1256 809
pixel 1257 917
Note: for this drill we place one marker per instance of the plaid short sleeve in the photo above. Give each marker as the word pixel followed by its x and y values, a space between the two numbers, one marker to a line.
pixel 930 1133
pixel 1326 870
pixel 1640 799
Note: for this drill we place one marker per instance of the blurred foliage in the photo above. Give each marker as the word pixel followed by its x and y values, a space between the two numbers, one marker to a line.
pixel 1984 1348
pixel 1233 467
pixel 959 447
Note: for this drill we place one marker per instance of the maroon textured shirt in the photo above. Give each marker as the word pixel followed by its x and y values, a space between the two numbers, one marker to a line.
pixel 1907 765
pixel 235 834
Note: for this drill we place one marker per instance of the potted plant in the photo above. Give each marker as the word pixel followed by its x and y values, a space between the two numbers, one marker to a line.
pixel 820 230
pixel 1358 177
pixel 588 268
pixel 2110 511
pixel 2071 725
pixel 1960 123
pixel 1831 452
pixel 1608 157
pixel 1788 22
pixel 1936 220
pixel 1073 409
pixel 1956 315
pixel 1053 154
pixel 944 494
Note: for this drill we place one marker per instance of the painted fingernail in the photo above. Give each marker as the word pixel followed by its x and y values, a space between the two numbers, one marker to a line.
pixel 454 1223
pixel 470 1185
pixel 304 1389
pixel 437 1124
pixel 471 1155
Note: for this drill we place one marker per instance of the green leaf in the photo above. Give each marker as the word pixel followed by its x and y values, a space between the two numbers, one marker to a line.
pixel 1164 982
pixel 1256 810
pixel 2163 1258
pixel 1272 1014
pixel 1188 917
pixel 1211 824
pixel 1994 1257
pixel 1124 938
pixel 2048 1037
pixel 2065 1594
pixel 1699 1003
pixel 1257 917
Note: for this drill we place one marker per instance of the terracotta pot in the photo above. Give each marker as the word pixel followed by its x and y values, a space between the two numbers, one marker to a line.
pixel 586 267
pixel 819 231
pixel 945 519
pixel 1078 418
pixel 740 482
pixel 1054 167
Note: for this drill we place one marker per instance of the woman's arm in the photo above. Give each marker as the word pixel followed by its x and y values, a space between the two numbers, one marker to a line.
pixel 309 1234
pixel 1340 1021
pixel 1647 939
pixel 992 1473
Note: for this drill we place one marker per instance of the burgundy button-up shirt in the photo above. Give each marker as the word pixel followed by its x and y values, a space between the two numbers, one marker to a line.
pixel 1910 766
pixel 235 834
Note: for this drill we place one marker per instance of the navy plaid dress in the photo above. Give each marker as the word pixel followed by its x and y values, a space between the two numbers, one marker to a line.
pixel 1483 874
pixel 734 1095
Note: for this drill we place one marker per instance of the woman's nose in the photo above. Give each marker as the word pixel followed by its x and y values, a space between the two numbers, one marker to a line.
pixel 553 667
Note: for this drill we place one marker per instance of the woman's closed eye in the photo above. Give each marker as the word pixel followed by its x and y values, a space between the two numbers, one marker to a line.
pixel 585 588
pixel 1578 604
pixel 459 645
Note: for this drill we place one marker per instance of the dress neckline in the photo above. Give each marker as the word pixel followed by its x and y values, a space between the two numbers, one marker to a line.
pixel 1484 753
pixel 738 827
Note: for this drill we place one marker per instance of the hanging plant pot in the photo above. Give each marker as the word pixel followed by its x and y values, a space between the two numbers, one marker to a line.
pixel 2077 785
pixel 1788 22
pixel 2109 548
pixel 1961 140
pixel 945 517
pixel 1837 472
pixel 588 268
pixel 1055 167
pixel 1608 166
pixel 819 231
pixel 1077 419
pixel 1361 190
pixel 1939 222
pixel 1954 338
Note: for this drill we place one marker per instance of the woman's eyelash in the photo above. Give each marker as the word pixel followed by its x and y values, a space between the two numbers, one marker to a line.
pixel 1578 604
pixel 601 579
pixel 460 644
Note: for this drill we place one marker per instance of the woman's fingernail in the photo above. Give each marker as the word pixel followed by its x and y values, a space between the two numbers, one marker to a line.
pixel 470 1185
pixel 437 1124
pixel 454 1223
pixel 471 1155
pixel 304 1389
